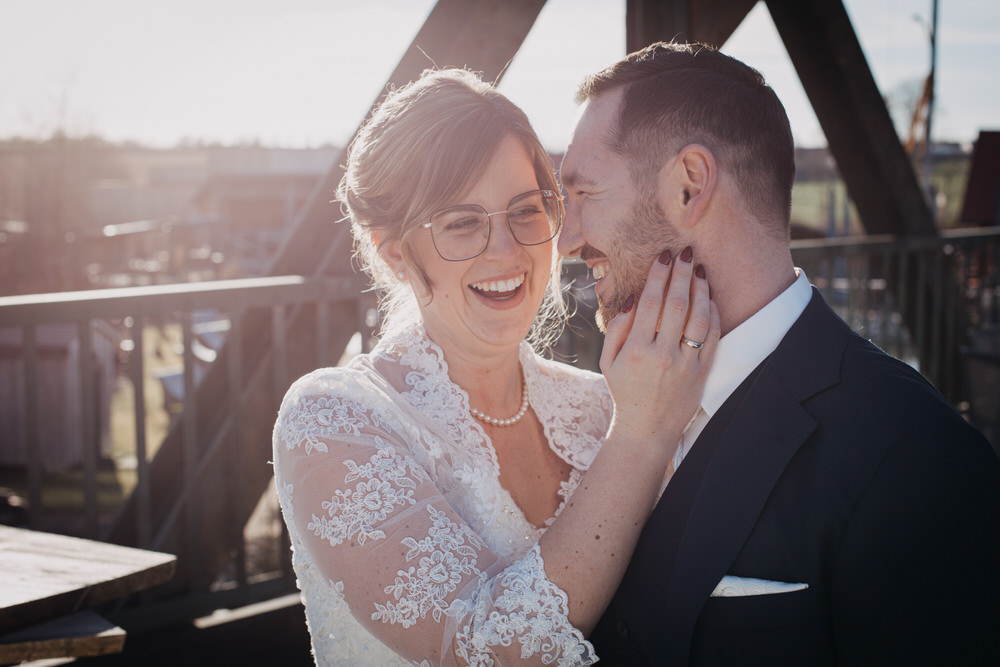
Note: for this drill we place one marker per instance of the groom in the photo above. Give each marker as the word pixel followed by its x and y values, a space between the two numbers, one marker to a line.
pixel 827 506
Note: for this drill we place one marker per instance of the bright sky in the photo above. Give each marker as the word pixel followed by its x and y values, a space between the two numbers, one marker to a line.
pixel 303 72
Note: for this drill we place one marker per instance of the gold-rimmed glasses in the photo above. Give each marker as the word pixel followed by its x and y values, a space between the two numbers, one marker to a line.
pixel 463 232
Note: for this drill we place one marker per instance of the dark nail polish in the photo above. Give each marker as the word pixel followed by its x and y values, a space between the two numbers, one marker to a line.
pixel 665 257
pixel 699 271
pixel 687 254
pixel 629 302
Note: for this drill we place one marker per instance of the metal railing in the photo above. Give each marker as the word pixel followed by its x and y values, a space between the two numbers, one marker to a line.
pixel 923 300
pixel 917 298
pixel 134 312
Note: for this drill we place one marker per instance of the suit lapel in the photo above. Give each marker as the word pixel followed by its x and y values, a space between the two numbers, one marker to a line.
pixel 746 460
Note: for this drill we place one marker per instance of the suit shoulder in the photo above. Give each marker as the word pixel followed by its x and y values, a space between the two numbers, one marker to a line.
pixel 881 401
pixel 887 383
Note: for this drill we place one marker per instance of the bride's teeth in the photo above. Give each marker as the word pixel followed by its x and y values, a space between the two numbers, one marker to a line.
pixel 599 271
pixel 500 285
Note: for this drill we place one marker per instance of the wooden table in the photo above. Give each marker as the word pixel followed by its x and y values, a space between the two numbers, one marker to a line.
pixel 47 581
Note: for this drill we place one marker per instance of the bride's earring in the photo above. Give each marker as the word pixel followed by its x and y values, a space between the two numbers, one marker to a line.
pixel 400 276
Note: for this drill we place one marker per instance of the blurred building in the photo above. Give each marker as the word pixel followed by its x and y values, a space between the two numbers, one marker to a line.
pixel 982 196
pixel 97 215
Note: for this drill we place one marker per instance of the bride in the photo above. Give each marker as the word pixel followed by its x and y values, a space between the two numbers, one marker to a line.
pixel 453 497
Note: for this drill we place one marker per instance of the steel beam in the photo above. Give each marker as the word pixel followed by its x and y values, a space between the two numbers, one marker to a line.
pixel 830 63
pixel 706 21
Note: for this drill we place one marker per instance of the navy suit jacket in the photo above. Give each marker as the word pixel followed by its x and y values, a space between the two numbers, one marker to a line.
pixel 840 467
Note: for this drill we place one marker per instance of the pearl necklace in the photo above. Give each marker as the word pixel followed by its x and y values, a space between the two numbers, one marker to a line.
pixel 510 421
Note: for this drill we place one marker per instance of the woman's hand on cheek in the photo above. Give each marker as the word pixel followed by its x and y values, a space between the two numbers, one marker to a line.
pixel 656 379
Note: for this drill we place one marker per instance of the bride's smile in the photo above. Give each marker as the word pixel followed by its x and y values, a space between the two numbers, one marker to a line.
pixel 491 299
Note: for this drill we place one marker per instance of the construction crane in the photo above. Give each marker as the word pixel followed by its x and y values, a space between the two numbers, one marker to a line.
pixel 924 112
pixel 920 123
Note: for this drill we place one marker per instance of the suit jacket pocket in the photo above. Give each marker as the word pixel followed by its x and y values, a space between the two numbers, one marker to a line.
pixel 773 630
pixel 760 612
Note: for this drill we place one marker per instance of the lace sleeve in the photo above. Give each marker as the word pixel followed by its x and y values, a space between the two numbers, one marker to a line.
pixel 414 574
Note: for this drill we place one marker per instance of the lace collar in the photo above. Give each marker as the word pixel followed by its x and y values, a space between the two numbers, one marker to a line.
pixel 572 405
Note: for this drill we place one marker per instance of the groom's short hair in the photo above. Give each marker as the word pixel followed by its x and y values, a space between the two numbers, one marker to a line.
pixel 676 94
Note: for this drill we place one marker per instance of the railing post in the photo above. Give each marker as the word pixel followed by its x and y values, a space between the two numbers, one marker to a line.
pixel 951 342
pixel 33 442
pixel 992 259
pixel 850 262
pixel 934 371
pixel 91 441
pixel 278 335
pixel 137 367
pixel 190 438
pixel 921 315
pixel 902 297
pixel 234 352
pixel 280 361
pixel 886 302
pixel 831 276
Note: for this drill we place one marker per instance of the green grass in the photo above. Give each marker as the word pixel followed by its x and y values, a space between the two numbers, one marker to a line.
pixel 811 206
pixel 811 199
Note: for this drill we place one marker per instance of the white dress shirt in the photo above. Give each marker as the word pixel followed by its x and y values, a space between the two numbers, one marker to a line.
pixel 739 352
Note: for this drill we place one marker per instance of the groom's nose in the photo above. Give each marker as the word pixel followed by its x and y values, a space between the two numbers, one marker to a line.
pixel 571 235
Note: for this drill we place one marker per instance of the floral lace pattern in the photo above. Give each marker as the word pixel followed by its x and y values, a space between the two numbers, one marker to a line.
pixel 525 612
pixel 355 512
pixel 451 552
pixel 401 532
pixel 313 418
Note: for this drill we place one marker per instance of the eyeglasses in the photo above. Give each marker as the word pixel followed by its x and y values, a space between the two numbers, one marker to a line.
pixel 463 232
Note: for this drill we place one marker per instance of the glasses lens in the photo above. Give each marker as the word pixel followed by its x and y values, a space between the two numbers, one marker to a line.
pixel 460 232
pixel 534 217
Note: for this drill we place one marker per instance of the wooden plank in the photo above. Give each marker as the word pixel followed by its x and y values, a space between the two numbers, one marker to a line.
pixel 44 576
pixel 84 633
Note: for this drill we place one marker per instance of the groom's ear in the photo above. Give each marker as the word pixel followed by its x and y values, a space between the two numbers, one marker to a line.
pixel 687 184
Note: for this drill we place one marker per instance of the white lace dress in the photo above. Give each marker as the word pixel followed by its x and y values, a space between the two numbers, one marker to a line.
pixel 406 548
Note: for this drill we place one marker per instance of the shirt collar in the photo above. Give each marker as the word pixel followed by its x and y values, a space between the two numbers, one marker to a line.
pixel 745 347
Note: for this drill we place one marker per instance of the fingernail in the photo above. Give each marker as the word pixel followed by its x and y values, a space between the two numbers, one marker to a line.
pixel 629 302
pixel 665 257
pixel 687 254
pixel 699 271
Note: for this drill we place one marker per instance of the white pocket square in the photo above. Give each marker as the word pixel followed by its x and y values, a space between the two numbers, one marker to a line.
pixel 733 587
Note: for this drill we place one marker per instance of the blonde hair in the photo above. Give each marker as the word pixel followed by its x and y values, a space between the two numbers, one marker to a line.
pixel 426 144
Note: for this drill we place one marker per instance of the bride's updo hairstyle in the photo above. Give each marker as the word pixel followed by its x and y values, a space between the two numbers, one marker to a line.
pixel 426 144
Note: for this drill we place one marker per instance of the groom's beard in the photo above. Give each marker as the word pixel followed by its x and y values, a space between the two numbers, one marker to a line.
pixel 638 242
